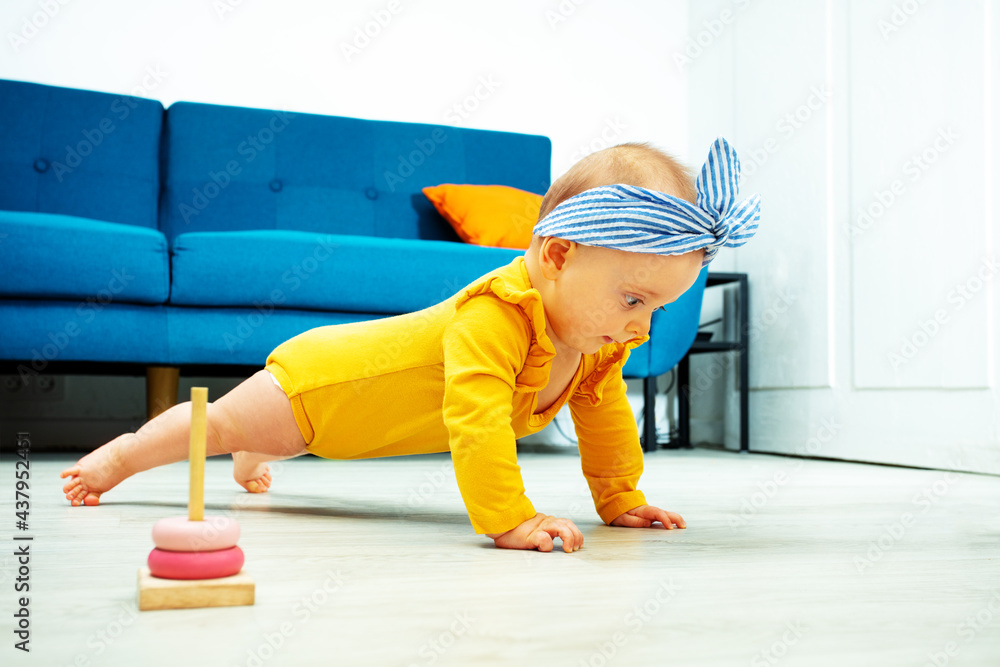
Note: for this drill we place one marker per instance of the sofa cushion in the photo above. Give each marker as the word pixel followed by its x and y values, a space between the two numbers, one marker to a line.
pixel 233 168
pixel 79 152
pixel 51 256
pixel 38 333
pixel 289 269
pixel 242 336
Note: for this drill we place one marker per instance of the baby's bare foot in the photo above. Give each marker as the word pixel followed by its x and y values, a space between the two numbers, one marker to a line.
pixel 251 471
pixel 95 473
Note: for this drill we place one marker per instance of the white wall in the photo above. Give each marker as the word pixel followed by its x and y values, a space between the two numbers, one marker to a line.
pixel 581 73
pixel 870 130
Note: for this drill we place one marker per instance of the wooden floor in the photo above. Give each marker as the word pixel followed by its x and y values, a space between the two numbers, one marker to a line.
pixel 785 561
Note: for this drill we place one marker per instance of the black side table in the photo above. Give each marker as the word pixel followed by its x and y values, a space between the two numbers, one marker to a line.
pixel 706 346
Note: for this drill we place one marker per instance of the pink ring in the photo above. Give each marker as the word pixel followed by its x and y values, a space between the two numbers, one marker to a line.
pixel 176 533
pixel 195 564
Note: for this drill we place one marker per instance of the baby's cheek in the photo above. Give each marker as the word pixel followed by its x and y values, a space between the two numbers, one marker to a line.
pixel 594 318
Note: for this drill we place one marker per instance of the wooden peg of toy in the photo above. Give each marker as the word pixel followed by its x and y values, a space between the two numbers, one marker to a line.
pixel 196 455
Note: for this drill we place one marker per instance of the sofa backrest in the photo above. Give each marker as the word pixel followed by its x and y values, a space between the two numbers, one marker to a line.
pixel 79 152
pixel 229 168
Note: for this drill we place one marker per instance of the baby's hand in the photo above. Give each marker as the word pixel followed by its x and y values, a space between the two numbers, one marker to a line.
pixel 538 532
pixel 645 516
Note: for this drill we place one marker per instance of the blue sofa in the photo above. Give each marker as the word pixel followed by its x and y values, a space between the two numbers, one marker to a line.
pixel 202 236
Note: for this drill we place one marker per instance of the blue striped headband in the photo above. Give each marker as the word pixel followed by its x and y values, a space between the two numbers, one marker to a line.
pixel 627 217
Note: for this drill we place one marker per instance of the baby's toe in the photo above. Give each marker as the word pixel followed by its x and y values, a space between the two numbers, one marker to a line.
pixel 92 499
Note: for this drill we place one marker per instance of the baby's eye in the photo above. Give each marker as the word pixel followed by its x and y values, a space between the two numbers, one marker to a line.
pixel 631 300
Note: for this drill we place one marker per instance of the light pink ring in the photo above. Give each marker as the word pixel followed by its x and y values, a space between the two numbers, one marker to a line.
pixel 176 533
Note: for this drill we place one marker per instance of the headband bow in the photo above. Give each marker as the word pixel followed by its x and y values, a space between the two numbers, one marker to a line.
pixel 627 217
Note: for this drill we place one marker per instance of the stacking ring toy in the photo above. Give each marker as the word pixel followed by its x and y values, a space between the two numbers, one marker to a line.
pixel 178 533
pixel 195 564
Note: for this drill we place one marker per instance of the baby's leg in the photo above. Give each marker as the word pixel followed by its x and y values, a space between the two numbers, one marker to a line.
pixel 255 417
pixel 261 428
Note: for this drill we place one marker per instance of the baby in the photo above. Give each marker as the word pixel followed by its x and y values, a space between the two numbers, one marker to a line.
pixel 623 233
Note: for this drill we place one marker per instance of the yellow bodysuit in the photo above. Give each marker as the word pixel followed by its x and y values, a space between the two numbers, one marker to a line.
pixel 463 375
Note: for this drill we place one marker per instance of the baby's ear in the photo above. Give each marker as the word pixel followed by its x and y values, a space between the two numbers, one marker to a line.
pixel 553 255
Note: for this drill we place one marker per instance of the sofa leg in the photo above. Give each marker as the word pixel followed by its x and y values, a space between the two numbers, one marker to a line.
pixel 162 383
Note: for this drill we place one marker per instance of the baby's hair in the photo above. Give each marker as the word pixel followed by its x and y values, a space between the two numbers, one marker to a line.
pixel 636 164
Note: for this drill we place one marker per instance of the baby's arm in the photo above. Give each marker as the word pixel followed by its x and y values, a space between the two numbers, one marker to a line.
pixel 484 349
pixel 611 458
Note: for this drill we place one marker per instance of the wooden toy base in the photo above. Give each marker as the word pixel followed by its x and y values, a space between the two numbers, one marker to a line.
pixel 157 593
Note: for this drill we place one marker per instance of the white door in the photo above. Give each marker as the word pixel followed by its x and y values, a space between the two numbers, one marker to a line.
pixel 869 128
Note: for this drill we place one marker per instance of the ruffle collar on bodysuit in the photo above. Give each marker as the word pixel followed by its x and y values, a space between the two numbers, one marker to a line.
pixel 511 284
pixel 608 361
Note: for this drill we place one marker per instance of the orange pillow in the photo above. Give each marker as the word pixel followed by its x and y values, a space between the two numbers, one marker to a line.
pixel 490 215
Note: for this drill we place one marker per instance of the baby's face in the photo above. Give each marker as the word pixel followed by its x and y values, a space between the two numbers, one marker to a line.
pixel 606 295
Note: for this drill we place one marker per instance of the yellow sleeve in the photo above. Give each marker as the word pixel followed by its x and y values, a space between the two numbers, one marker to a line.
pixel 485 344
pixel 610 453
